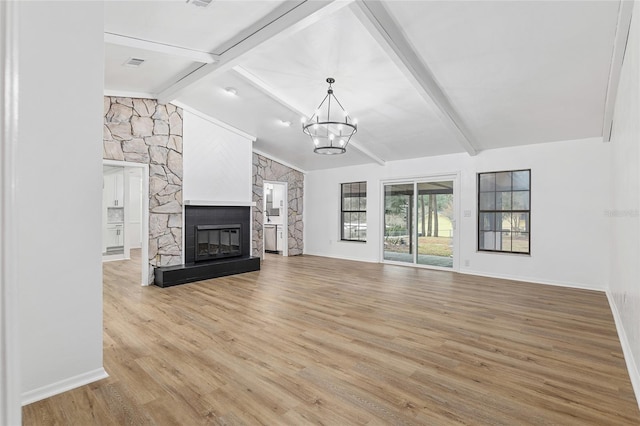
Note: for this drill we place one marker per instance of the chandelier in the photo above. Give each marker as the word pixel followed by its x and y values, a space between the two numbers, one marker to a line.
pixel 330 127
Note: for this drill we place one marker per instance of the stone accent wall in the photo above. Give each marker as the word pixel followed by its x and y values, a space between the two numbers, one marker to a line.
pixel 143 131
pixel 269 170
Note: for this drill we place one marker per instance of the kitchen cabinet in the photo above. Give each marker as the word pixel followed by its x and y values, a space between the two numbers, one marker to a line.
pixel 115 236
pixel 279 237
pixel 114 189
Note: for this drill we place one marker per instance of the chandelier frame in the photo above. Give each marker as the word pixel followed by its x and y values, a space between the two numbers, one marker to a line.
pixel 330 136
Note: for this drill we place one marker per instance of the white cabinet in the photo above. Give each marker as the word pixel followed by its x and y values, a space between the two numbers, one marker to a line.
pixel 115 236
pixel 114 189
pixel 280 237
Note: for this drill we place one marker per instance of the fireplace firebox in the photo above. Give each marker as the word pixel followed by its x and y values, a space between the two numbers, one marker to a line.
pixel 218 241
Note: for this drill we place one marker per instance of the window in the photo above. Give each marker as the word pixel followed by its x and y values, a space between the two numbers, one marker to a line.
pixel 354 211
pixel 504 211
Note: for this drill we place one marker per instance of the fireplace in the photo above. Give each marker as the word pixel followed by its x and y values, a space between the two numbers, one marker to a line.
pixel 216 232
pixel 218 241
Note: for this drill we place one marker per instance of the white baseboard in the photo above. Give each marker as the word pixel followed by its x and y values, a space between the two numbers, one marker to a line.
pixel 342 257
pixel 473 272
pixel 113 257
pixel 632 368
pixel 530 280
pixel 63 386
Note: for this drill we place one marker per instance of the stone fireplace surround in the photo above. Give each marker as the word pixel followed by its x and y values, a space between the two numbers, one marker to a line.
pixel 143 131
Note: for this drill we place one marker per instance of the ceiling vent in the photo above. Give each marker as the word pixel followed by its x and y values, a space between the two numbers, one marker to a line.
pixel 200 3
pixel 133 62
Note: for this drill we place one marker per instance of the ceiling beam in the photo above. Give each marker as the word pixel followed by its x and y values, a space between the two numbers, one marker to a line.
pixel 215 121
pixel 128 94
pixel 138 43
pixel 355 144
pixel 386 31
pixel 291 105
pixel 619 48
pixel 268 90
pixel 281 22
pixel 278 160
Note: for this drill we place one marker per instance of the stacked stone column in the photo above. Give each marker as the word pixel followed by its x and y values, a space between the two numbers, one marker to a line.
pixel 269 170
pixel 143 131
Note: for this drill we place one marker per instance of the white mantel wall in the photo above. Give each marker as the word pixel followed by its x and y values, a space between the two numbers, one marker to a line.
pixel 570 187
pixel 217 162
pixel 61 60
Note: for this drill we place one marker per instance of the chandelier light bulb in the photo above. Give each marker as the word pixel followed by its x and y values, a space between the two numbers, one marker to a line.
pixel 303 119
pixel 341 142
pixel 331 136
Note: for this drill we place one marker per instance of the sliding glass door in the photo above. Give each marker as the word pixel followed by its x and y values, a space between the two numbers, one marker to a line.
pixel 398 222
pixel 419 222
pixel 435 220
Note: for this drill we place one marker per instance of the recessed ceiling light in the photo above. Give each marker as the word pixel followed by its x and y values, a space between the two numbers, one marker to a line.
pixel 133 62
pixel 231 91
pixel 200 3
pixel 284 123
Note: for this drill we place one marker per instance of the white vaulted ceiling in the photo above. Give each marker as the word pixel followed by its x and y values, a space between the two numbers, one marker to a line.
pixel 423 78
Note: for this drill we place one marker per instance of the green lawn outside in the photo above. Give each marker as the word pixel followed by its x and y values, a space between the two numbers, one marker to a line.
pixel 434 246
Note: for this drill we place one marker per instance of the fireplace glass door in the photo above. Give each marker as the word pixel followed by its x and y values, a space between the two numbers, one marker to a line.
pixel 216 241
pixel 208 243
pixel 225 241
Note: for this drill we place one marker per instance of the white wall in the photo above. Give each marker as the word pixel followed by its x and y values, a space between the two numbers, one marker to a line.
pixel 216 162
pixel 624 220
pixel 570 184
pixel 60 120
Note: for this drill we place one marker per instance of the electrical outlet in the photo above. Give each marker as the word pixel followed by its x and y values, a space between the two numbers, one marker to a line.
pixel 467 213
pixel 466 263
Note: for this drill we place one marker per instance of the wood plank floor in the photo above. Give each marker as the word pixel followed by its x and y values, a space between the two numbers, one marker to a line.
pixel 311 340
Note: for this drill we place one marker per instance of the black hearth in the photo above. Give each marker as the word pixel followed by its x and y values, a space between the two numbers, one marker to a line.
pixel 217 243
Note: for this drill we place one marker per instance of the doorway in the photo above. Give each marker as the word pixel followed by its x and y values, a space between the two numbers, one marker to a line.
pixel 275 221
pixel 420 222
pixel 125 213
